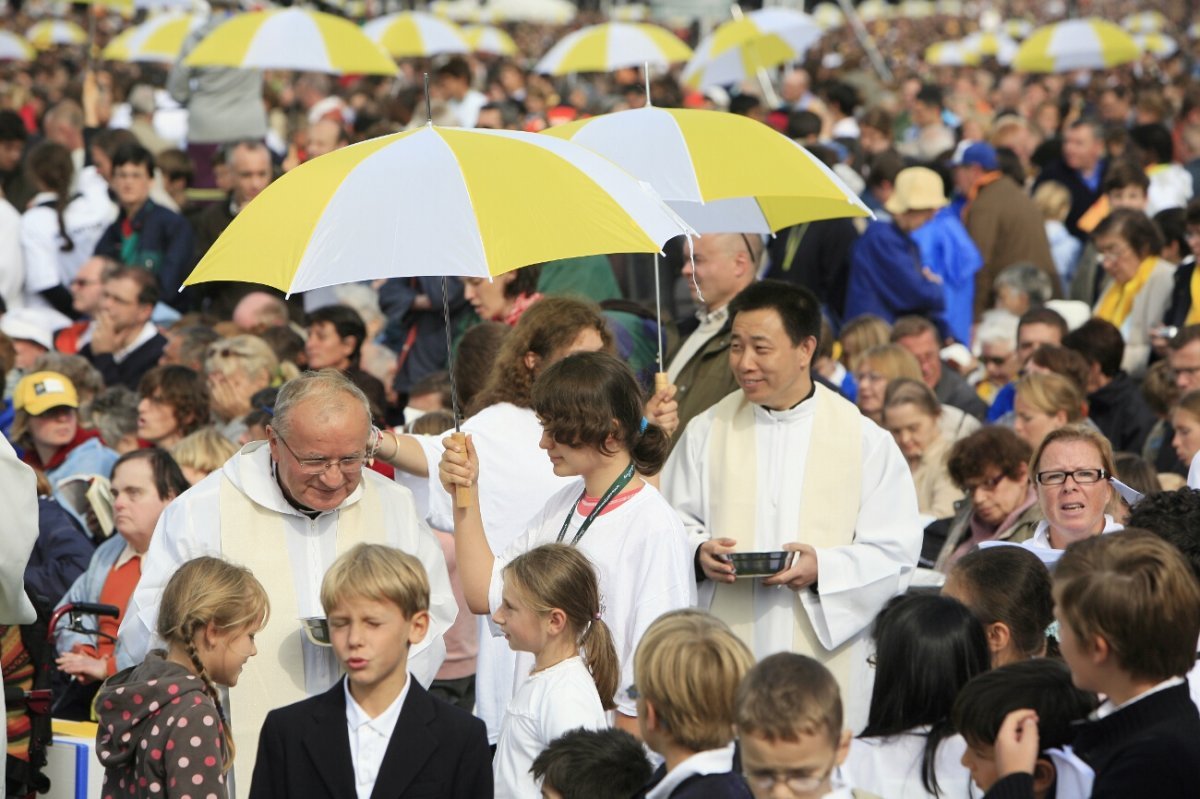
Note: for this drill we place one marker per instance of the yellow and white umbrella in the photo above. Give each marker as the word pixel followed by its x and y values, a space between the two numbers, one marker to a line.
pixel 436 201
pixel 684 154
pixel 871 10
pixel 1090 43
pixel 916 9
pixel 760 40
pixel 1017 28
pixel 415 34
pixel 630 12
pixel 14 48
pixel 489 39
pixel 950 8
pixel 946 54
pixel 979 46
pixel 829 16
pixel 296 39
pixel 1145 22
pixel 1193 30
pixel 611 46
pixel 51 32
pixel 550 12
pixel 1158 44
pixel 158 39
pixel 457 10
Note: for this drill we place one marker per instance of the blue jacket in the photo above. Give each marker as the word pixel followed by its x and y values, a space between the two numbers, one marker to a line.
pixel 886 279
pixel 87 589
pixel 61 554
pixel 161 241
pixel 948 250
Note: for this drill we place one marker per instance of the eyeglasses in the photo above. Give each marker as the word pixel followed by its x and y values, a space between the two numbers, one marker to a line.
pixel 995 360
pixel 749 249
pixel 316 630
pixel 1080 476
pixel 316 466
pixel 765 780
pixel 988 484
pixel 1111 253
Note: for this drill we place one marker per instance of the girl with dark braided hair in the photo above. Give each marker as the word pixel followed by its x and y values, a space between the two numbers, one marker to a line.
pixel 163 730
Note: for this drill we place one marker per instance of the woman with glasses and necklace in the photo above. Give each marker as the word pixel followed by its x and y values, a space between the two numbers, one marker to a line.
pixel 1139 282
pixel 1071 472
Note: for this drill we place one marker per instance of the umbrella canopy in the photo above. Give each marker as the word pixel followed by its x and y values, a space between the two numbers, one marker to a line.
pixel 51 32
pixel 685 155
pixel 871 10
pixel 979 46
pixel 611 46
pixel 1193 30
pixel 946 54
pixel 950 8
pixel 14 48
pixel 299 39
pixel 761 39
pixel 829 16
pixel 1017 28
pixel 415 34
pixel 1145 22
pixel 1090 43
pixel 1158 44
pixel 457 10
pixel 916 9
pixel 472 203
pixel 158 39
pixel 489 39
pixel 630 12
pixel 554 12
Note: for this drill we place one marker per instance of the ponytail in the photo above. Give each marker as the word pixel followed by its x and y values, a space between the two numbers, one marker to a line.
pixel 650 449
pixel 60 207
pixel 556 576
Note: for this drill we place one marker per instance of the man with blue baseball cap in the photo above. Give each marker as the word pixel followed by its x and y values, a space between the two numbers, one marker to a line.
pixel 1003 221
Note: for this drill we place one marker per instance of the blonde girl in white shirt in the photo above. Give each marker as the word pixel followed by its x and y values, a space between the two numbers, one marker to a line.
pixel 551 608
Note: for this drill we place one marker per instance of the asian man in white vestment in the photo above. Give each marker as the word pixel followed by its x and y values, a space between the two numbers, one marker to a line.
pixel 787 464
pixel 286 508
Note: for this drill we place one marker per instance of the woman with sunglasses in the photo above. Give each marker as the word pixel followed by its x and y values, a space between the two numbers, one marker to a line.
pixel 1071 472
pixel 1139 282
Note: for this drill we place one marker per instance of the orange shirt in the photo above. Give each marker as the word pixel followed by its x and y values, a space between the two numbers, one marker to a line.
pixel 118 588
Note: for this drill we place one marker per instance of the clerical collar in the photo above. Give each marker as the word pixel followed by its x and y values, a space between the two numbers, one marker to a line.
pixel 811 391
pixel 716 317
pixel 304 509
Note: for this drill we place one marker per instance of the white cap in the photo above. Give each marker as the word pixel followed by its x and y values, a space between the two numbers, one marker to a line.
pixel 29 325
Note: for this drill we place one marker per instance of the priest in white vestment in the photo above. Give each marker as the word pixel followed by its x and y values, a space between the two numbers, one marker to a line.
pixel 786 464
pixel 286 508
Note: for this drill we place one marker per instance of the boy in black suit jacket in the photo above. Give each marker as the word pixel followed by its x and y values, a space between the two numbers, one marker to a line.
pixel 1128 608
pixel 377 734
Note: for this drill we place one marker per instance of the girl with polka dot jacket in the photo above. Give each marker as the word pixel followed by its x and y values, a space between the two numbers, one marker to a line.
pixel 162 730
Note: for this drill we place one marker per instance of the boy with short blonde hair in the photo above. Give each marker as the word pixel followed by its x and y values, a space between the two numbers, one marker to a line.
pixel 687 669
pixel 789 724
pixel 377 725
pixel 1128 607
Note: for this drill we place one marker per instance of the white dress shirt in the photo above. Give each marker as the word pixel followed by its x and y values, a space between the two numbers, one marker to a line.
pixel 369 737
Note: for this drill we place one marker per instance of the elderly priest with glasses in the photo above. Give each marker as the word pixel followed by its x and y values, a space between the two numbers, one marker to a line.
pixel 790 470
pixel 286 508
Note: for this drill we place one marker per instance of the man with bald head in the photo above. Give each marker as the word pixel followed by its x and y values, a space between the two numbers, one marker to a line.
pixel 723 265
pixel 324 136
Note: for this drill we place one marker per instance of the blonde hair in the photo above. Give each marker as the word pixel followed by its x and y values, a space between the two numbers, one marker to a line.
pixel 205 450
pixel 1053 200
pixel 1075 432
pixel 788 695
pixel 210 590
pixel 245 353
pixel 1134 590
pixel 556 576
pixel 861 334
pixel 1050 393
pixel 689 664
pixel 379 573
pixel 892 361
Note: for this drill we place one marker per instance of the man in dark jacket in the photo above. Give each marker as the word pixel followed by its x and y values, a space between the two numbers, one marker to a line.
pixel 1081 169
pixel 1115 402
pixel 125 344
pixel 144 234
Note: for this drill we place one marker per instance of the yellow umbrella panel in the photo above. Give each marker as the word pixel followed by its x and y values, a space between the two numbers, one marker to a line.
pixel 614 45
pixel 436 201
pixel 414 34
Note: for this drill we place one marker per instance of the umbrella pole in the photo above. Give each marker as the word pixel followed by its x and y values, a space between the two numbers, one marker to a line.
pixel 91 41
pixel 661 381
pixel 764 80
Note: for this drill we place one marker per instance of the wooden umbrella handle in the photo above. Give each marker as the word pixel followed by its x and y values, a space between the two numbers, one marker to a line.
pixel 661 381
pixel 462 494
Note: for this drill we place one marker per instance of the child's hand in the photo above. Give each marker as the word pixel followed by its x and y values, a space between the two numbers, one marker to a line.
pixel 663 410
pixel 459 465
pixel 1016 747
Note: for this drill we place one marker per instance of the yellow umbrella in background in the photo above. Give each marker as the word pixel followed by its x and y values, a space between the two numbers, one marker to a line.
pixel 916 9
pixel 613 45
pixel 829 16
pixel 158 39
pixel 871 10
pixel 630 12
pixel 946 54
pixel 415 34
pixel 297 39
pixel 550 12
pixel 1091 43
pixel 1158 44
pixel 1145 22
pixel 979 46
pixel 489 39
pixel 737 49
pixel 1193 30
pixel 14 48
pixel 1017 28
pixel 53 32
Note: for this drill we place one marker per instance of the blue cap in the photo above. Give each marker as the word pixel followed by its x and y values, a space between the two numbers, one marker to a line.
pixel 980 153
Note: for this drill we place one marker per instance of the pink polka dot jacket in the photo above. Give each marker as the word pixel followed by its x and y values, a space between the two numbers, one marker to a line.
pixel 159 734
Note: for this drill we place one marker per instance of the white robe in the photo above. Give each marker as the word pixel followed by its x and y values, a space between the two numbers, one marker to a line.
pixel 18 497
pixel 855 581
pixel 516 479
pixel 641 555
pixel 892 767
pixel 191 527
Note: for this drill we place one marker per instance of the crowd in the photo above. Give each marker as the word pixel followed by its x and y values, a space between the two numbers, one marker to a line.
pixel 913 514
